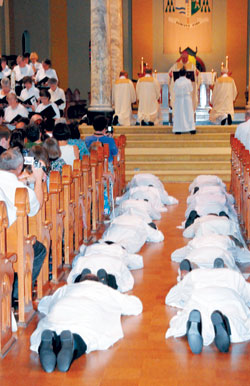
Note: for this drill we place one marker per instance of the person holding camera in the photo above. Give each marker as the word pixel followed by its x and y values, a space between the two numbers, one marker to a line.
pixel 11 166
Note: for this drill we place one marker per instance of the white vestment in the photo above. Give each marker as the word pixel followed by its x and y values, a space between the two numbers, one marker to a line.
pixel 183 107
pixel 112 265
pixel 56 96
pixel 41 74
pixel 10 114
pixel 211 189
pixel 224 94
pixel 142 208
pixel 131 232
pixel 146 179
pixel 206 180
pixel 21 72
pixel 148 91
pixel 208 290
pixel 90 309
pixel 42 107
pixel 123 96
pixel 242 133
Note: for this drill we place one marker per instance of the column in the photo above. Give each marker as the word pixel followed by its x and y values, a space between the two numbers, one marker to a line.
pixel 116 38
pixel 248 55
pixel 100 58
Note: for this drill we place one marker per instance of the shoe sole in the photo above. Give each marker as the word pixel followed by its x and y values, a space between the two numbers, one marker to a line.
pixel 194 337
pixel 219 263
pixel 65 355
pixel 46 355
pixel 185 265
pixel 85 272
pixel 102 276
pixel 221 340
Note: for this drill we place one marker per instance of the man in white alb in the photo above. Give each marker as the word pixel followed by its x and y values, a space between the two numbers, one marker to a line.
pixel 123 95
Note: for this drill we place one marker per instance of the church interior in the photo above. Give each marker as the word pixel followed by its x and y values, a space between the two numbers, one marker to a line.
pixel 89 43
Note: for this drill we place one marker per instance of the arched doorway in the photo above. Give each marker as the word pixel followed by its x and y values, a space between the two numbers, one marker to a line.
pixel 26 42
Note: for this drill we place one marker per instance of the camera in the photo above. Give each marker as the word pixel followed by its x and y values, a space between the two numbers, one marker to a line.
pixel 31 161
pixel 110 130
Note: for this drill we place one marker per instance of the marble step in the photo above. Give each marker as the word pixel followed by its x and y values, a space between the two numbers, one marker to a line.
pixel 141 166
pixel 178 138
pixel 152 143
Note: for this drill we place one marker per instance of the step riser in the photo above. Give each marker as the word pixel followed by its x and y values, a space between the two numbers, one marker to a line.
pixel 177 157
pixel 164 144
pixel 197 167
pixel 170 137
pixel 187 178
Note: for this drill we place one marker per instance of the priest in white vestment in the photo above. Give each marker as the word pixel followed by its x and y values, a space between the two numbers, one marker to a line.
pixel 223 97
pixel 148 91
pixel 183 106
pixel 123 95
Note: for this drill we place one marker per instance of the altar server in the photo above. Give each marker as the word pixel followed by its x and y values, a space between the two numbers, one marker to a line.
pixel 183 107
pixel 223 97
pixel 132 232
pixel 148 91
pixel 148 179
pixel 87 309
pixel 222 298
pixel 123 95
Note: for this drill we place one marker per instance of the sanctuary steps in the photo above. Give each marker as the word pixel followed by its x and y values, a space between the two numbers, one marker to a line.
pixel 176 158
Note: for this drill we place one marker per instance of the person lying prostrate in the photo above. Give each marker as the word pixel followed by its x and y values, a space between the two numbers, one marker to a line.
pixel 147 179
pixel 213 224
pixel 205 180
pixel 210 189
pixel 87 309
pixel 132 232
pixel 144 193
pixel 227 243
pixel 115 267
pixel 142 208
pixel 14 112
pixel 109 248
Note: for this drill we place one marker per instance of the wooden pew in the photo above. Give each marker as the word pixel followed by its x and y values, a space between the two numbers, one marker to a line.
pixel 7 338
pixel 21 244
pixel 94 197
pixel 87 194
pixel 55 215
pixel 78 197
pixel 100 183
pixel 122 145
pixel 41 228
pixel 69 218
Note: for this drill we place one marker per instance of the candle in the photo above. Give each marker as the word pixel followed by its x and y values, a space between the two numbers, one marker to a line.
pixel 222 66
pixel 142 66
pixel 227 62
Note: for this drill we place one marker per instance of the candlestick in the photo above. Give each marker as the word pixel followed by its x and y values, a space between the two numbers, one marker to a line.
pixel 227 62
pixel 222 66
pixel 142 65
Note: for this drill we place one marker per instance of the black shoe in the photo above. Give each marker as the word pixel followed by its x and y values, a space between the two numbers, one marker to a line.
pixel 193 132
pixel 194 337
pixel 143 123
pixel 84 272
pixel 229 119
pixel 178 133
pixel 46 354
pixel 185 265
pixel 219 263
pixel 65 355
pixel 115 120
pixel 102 276
pixel 223 122
pixel 151 123
pixel 222 331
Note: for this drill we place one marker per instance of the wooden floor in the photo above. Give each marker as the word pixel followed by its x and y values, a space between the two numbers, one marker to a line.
pixel 143 357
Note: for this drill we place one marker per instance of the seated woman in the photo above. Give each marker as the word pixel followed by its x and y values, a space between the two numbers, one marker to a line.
pixel 17 139
pixel 14 112
pixel 61 133
pixel 30 94
pixel 75 139
pixel 36 66
pixel 54 153
pixel 80 318
pixel 5 71
pixel 48 110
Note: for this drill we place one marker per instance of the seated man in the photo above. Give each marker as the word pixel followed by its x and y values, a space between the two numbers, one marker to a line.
pixel 110 248
pixel 147 179
pixel 207 291
pixel 4 138
pixel 11 165
pixel 86 315
pixel 132 232
pixel 142 208
pixel 100 124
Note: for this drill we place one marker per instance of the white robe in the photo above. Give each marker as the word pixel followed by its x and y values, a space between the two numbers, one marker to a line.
pixel 146 179
pixel 211 189
pixel 183 107
pixel 131 260
pixel 148 91
pixel 207 291
pixel 5 72
pixel 123 95
pixel 21 72
pixel 242 133
pixel 132 233
pixel 32 92
pixel 112 265
pixel 90 309
pixel 41 74
pixel 10 113
pixel 42 107
pixel 56 95
pixel 224 94
pixel 206 180
pixel 142 208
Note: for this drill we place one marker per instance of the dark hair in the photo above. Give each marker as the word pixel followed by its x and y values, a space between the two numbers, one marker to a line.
pixel 17 138
pixel 100 123
pixel 44 93
pixel 148 71
pixel 4 132
pixel 74 130
pixel 33 132
pixel 47 61
pixel 183 72
pixel 26 55
pixel 40 154
pixel 1 112
pixel 61 132
pixel 27 79
pixel 53 148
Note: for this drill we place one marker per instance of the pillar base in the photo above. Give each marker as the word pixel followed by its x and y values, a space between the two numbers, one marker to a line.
pixel 92 113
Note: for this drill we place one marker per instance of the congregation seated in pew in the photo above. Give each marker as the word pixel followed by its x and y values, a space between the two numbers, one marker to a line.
pixel 55 154
pixel 69 153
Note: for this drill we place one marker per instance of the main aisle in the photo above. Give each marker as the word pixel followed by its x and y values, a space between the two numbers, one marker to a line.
pixel 143 357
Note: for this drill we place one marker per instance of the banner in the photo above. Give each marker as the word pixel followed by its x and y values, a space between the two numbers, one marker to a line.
pixel 187 23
